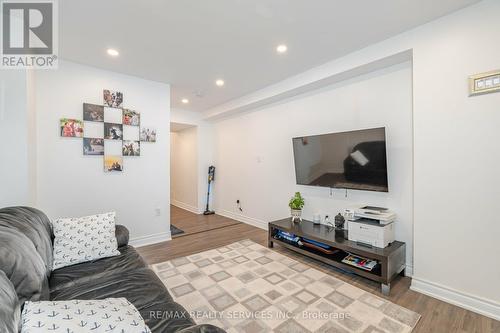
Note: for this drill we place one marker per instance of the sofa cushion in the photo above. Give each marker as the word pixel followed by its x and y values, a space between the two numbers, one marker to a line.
pixel 139 286
pixel 10 312
pixel 84 239
pixel 166 316
pixel 142 288
pixel 69 276
pixel 33 224
pixel 23 265
pixel 108 315
pixel 122 235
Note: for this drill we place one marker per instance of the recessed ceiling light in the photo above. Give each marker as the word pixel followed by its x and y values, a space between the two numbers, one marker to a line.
pixel 219 82
pixel 113 52
pixel 281 48
pixel 185 100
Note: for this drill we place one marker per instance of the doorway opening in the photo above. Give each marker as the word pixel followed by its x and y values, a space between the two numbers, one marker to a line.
pixel 188 185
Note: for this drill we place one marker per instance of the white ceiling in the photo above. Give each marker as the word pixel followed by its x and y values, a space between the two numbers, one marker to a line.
pixel 191 43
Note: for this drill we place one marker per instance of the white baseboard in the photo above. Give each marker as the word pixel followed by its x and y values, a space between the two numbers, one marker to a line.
pixel 409 270
pixel 242 218
pixel 185 206
pixel 150 239
pixel 473 303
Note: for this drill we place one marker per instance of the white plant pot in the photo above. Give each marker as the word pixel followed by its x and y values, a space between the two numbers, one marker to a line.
pixel 296 215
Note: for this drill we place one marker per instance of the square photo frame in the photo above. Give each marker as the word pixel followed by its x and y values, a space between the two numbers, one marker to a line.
pixel 93 146
pixel 148 134
pixel 113 131
pixel 93 112
pixel 131 148
pixel 113 163
pixel 131 117
pixel 71 128
pixel 112 99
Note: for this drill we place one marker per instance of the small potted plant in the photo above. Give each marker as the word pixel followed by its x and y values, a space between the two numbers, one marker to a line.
pixel 296 204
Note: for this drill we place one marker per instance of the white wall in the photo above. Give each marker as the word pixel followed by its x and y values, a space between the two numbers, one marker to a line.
pixel 70 184
pixel 255 155
pixel 455 150
pixel 15 120
pixel 206 148
pixel 184 168
pixel 456 160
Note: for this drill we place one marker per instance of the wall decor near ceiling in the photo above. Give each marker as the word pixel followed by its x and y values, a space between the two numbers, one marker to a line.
pixel 110 122
pixel 484 83
pixel 113 99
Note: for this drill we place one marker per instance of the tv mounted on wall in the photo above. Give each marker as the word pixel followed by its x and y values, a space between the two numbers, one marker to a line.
pixel 351 160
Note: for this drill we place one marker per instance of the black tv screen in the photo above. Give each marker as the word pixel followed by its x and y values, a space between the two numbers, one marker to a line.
pixel 351 160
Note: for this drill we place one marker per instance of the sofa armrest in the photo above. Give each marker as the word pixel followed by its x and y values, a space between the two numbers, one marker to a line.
pixel 122 235
pixel 203 328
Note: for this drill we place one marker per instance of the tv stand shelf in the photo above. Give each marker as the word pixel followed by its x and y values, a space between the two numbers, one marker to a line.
pixel 391 260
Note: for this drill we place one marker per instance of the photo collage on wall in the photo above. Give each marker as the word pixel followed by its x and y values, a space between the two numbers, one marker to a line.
pixel 111 130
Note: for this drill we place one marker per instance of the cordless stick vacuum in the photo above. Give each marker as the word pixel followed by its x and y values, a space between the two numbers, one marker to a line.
pixel 211 177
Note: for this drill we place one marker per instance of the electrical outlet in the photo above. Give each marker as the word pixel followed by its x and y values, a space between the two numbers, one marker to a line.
pixel 158 212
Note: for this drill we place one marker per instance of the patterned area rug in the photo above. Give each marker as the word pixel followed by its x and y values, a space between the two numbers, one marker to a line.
pixel 246 287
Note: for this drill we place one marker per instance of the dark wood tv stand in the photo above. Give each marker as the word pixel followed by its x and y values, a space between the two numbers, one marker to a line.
pixel 391 260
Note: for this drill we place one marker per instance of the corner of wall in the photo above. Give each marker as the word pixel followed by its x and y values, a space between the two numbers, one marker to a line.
pixel 150 239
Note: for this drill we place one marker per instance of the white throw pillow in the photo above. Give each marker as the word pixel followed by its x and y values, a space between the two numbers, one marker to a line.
pixel 107 315
pixel 84 239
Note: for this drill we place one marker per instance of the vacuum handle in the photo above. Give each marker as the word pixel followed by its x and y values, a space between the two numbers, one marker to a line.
pixel 211 173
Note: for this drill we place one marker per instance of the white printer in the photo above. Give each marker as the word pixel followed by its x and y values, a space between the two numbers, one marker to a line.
pixel 378 214
pixel 372 226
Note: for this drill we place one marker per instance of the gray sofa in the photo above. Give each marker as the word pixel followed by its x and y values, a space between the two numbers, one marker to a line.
pixel 25 274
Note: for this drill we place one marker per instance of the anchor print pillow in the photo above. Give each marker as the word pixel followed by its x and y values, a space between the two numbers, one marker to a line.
pixel 76 316
pixel 84 239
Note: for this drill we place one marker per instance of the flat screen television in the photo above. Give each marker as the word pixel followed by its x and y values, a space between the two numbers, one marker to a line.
pixel 351 160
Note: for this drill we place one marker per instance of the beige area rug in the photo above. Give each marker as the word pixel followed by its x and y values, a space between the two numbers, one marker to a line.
pixel 246 287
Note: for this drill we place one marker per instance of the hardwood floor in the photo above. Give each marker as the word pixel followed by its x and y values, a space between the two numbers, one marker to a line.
pixel 192 223
pixel 437 316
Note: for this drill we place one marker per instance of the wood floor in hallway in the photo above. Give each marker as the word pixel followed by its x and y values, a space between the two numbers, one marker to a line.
pixel 192 223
